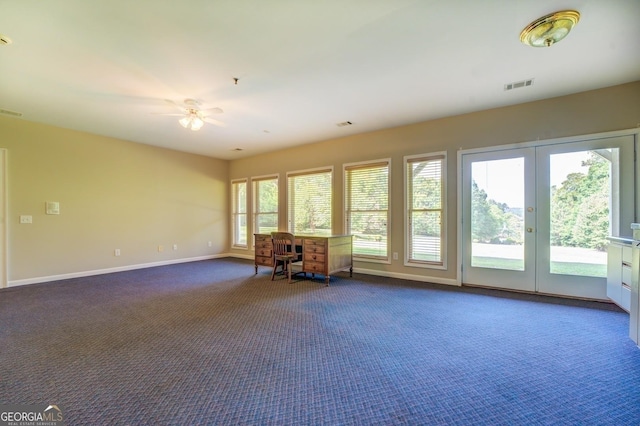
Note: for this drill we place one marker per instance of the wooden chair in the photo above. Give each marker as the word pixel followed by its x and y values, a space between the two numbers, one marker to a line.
pixel 284 252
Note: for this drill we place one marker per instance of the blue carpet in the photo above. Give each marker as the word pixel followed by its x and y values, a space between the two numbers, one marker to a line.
pixel 211 343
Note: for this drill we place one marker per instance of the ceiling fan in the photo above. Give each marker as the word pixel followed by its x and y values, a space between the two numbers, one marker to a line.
pixel 192 116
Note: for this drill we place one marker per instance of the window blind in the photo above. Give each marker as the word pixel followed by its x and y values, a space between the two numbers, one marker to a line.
pixel 309 202
pixel 265 205
pixel 239 211
pixel 425 209
pixel 367 208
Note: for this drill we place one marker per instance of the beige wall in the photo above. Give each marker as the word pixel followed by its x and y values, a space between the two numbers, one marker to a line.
pixel 112 194
pixel 117 194
pixel 609 109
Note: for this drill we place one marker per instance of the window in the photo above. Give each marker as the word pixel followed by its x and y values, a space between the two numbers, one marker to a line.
pixel 425 210
pixel 265 204
pixel 239 212
pixel 309 202
pixel 367 208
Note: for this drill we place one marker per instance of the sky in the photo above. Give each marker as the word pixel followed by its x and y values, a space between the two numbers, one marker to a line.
pixel 503 180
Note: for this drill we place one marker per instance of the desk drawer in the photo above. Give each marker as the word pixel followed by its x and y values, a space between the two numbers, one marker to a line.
pixel 265 252
pixel 312 246
pixel 264 261
pixel 314 257
pixel 260 238
pixel 314 267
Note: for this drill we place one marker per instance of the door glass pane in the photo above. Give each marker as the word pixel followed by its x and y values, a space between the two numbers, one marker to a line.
pixel 581 211
pixel 497 214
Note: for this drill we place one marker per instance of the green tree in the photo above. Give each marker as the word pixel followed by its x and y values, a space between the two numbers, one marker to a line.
pixel 580 207
pixel 313 203
pixel 485 220
pixel 493 222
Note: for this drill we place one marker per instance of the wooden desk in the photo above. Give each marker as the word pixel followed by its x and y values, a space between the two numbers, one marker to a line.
pixel 324 255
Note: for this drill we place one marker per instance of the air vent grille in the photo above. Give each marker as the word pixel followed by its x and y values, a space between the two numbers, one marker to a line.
pixel 518 84
pixel 11 113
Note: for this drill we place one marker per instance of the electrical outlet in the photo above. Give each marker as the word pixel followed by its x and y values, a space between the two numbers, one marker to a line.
pixel 26 219
pixel 209 244
pixel 175 247
pixel 160 248
pixel 395 255
pixel 116 252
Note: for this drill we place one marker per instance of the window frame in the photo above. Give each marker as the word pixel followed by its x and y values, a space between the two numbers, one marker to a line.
pixel 235 214
pixel 256 202
pixel 408 210
pixel 346 169
pixel 289 201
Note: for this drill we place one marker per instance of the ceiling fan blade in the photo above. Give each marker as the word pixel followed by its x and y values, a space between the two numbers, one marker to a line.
pixel 180 107
pixel 214 121
pixel 213 110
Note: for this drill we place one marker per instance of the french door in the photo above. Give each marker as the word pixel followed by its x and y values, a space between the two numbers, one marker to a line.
pixel 537 218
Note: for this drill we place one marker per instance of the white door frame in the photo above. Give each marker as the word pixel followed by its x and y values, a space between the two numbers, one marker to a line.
pixel 3 218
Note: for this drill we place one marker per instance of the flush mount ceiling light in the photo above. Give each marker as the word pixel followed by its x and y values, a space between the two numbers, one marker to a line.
pixel 549 29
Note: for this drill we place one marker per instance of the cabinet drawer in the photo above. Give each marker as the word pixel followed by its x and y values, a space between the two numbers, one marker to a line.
pixel 625 298
pixel 626 275
pixel 626 254
pixel 314 257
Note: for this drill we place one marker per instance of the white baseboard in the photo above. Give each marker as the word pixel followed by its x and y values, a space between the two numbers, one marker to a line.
pixel 410 277
pixel 36 280
pixel 241 256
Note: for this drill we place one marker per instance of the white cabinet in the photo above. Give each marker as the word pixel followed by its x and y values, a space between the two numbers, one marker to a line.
pixel 619 272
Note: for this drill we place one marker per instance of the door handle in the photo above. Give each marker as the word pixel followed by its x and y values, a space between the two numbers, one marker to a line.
pixel 529 230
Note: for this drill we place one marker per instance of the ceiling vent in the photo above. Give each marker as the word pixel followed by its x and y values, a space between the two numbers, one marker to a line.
pixel 344 123
pixel 518 84
pixel 11 113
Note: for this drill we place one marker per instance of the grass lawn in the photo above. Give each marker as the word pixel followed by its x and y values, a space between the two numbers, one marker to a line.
pixel 562 268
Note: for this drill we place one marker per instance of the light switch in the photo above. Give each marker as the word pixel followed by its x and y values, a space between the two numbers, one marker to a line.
pixel 52 207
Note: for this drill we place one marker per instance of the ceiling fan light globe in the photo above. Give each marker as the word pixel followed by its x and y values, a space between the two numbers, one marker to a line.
pixel 184 122
pixel 196 124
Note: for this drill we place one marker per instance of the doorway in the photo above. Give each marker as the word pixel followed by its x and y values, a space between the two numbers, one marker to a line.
pixel 537 218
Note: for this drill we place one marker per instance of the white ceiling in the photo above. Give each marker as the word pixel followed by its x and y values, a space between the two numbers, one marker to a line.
pixel 106 67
